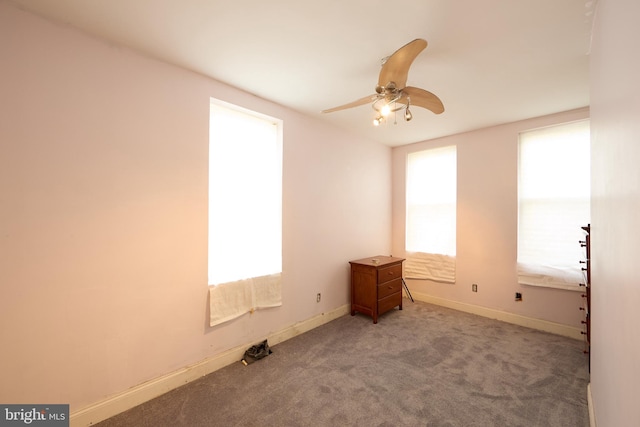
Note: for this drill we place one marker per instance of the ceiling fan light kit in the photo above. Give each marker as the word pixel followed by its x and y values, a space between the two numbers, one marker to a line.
pixel 383 112
pixel 392 94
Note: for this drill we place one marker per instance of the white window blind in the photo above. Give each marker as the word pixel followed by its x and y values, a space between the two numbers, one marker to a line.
pixel 553 203
pixel 431 193
pixel 245 211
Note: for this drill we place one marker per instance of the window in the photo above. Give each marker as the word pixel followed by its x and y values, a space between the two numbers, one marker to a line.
pixel 430 239
pixel 553 203
pixel 245 211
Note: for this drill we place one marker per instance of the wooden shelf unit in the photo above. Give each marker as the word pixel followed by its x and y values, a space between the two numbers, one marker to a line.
pixel 586 296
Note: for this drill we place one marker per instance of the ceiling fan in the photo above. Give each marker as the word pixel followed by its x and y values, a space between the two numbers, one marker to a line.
pixel 392 94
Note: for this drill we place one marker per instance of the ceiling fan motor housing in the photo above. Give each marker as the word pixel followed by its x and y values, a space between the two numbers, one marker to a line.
pixel 389 88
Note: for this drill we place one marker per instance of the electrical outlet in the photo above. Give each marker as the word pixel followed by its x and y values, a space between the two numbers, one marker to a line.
pixel 318 297
pixel 518 296
pixel 474 288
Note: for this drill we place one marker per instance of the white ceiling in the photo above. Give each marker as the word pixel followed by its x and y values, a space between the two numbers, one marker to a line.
pixel 489 61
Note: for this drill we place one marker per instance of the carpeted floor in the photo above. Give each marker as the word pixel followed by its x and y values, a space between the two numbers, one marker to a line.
pixel 423 366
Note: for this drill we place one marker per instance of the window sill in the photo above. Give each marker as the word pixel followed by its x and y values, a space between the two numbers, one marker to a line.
pixel 574 288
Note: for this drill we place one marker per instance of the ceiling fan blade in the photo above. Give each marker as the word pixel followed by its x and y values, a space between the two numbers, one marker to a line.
pixel 397 66
pixel 424 99
pixel 361 101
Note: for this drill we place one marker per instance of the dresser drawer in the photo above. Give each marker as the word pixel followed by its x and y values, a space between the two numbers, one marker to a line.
pixel 389 273
pixel 388 288
pixel 389 302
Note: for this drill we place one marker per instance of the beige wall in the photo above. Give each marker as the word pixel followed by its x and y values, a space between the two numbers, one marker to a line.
pixel 103 216
pixel 487 224
pixel 615 97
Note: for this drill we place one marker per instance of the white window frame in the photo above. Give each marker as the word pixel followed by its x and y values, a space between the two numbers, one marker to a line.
pixel 553 183
pixel 245 211
pixel 430 224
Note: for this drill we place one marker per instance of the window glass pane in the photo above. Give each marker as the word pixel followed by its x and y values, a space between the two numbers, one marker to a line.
pixel 554 202
pixel 245 195
pixel 431 201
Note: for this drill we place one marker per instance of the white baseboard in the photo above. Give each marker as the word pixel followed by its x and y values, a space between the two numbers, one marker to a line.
pixel 144 392
pixel 592 414
pixel 516 319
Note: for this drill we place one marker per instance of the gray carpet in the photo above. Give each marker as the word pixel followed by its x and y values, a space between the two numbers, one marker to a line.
pixel 422 366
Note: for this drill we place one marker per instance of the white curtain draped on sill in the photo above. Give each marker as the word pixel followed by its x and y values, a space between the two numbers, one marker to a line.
pixel 228 301
pixel 441 268
pixel 549 276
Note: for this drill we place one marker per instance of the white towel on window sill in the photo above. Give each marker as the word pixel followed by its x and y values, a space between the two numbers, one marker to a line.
pixel 230 300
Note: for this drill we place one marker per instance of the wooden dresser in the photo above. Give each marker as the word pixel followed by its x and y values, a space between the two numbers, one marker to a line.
pixel 376 285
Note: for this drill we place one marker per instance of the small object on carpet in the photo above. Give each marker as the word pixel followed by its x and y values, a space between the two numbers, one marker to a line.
pixel 256 352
